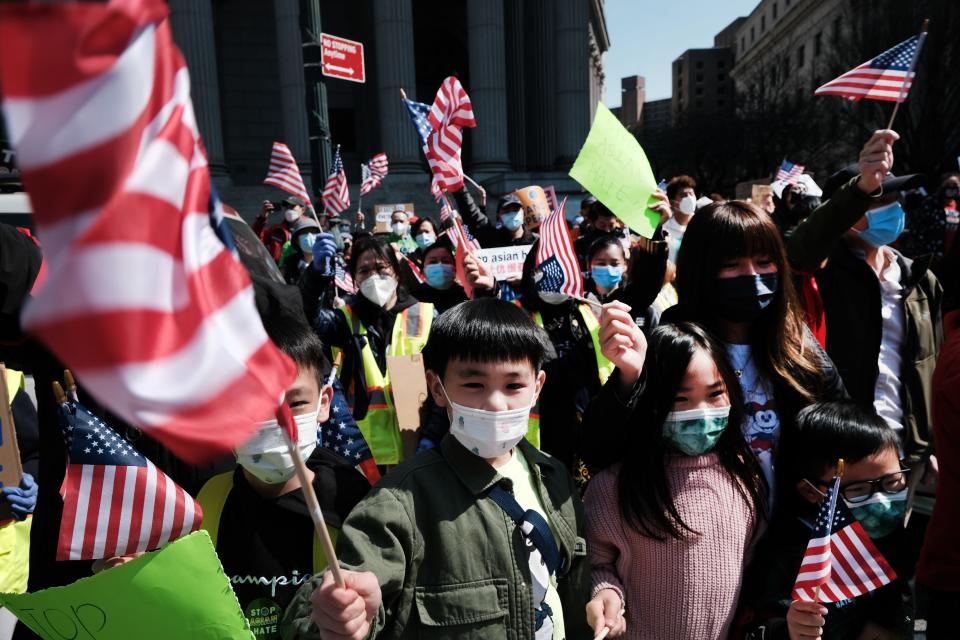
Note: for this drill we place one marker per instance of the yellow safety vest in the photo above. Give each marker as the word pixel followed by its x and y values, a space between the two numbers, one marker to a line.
pixel 213 496
pixel 15 536
pixel 604 366
pixel 379 427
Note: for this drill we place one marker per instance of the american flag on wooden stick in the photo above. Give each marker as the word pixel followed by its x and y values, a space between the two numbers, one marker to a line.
pixel 146 299
pixel 789 171
pixel 284 173
pixel 115 501
pixel 373 173
pixel 336 195
pixel 440 128
pixel 886 77
pixel 558 270
pixel 841 562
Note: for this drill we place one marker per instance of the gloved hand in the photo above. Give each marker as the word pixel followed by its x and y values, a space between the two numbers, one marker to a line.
pixel 324 251
pixel 22 499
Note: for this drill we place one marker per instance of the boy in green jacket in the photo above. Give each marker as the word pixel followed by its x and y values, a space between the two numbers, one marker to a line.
pixel 482 537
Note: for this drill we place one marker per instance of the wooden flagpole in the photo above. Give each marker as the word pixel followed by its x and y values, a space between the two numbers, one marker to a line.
pixel 913 64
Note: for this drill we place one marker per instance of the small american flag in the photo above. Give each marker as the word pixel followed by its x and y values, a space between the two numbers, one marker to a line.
pixel 415 270
pixel 285 174
pixel 341 435
pixel 886 77
pixel 557 266
pixel 343 280
pixel 153 313
pixel 440 128
pixel 841 561
pixel 336 195
pixel 789 171
pixel 373 173
pixel 115 501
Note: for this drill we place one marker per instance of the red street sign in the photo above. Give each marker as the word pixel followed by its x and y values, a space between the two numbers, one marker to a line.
pixel 342 58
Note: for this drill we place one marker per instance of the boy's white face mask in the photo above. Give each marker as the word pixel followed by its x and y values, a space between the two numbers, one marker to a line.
pixel 488 434
pixel 266 455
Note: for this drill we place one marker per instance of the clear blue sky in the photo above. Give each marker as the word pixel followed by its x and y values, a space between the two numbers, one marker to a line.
pixel 646 36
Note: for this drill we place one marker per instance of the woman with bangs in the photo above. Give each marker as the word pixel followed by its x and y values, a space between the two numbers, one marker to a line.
pixel 733 279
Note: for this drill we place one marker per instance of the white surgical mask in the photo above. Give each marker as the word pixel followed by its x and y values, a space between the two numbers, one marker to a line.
pixel 266 455
pixel 399 228
pixel 291 215
pixel 378 289
pixel 488 434
pixel 688 204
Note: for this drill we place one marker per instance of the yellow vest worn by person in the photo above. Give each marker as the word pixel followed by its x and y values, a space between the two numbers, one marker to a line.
pixel 15 536
pixel 212 498
pixel 379 427
pixel 604 366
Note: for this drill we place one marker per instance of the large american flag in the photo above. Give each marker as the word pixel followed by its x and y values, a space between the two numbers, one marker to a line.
pixel 336 195
pixel 840 562
pixel 115 501
pixel 146 301
pixel 373 173
pixel 285 174
pixel 558 270
pixel 440 128
pixel 789 171
pixel 886 77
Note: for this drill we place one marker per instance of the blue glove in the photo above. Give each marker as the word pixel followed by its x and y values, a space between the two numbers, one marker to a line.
pixel 22 499
pixel 324 250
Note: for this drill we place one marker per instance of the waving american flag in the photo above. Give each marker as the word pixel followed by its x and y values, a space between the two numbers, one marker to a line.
pixel 558 270
pixel 373 173
pixel 886 77
pixel 145 300
pixel 284 172
pixel 115 501
pixel 336 195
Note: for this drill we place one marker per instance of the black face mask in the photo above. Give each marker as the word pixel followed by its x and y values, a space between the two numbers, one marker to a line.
pixel 741 299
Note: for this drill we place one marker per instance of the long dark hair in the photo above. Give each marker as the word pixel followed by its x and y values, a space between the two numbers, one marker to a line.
pixel 642 486
pixel 734 229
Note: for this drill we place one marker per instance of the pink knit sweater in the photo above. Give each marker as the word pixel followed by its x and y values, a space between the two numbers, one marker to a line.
pixel 676 588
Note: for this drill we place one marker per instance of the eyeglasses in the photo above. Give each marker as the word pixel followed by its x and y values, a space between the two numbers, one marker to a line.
pixel 379 269
pixel 857 492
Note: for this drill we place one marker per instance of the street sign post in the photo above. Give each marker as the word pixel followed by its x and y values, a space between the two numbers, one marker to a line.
pixel 342 58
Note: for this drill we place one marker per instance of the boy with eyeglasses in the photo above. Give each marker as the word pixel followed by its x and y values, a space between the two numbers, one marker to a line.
pixel 874 488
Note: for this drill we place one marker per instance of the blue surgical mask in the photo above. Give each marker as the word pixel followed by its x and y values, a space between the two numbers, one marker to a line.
pixel 881 513
pixel 425 239
pixel 606 277
pixel 697 431
pixel 306 241
pixel 884 225
pixel 439 276
pixel 512 219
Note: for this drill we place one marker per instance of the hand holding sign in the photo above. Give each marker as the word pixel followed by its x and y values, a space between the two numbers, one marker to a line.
pixel 613 167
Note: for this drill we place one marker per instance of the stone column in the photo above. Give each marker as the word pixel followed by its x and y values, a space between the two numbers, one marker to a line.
pixel 573 79
pixel 517 102
pixel 488 84
pixel 541 109
pixel 393 31
pixel 293 98
pixel 192 24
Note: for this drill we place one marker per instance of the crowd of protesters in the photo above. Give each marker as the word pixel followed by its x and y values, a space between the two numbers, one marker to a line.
pixel 647 461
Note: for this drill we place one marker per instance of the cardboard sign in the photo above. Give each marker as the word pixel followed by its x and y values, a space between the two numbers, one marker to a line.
pixel 504 263
pixel 535 205
pixel 342 58
pixel 179 591
pixel 382 213
pixel 759 193
pixel 409 384
pixel 613 167
pixel 10 470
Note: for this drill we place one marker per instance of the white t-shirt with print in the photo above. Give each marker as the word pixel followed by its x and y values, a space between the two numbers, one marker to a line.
pixel 544 585
pixel 762 422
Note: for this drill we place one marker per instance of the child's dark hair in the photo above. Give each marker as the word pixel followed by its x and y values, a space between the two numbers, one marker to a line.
pixel 369 243
pixel 827 431
pixel 643 487
pixel 304 347
pixel 485 330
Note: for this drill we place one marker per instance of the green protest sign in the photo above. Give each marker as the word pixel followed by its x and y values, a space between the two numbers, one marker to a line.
pixel 179 591
pixel 613 167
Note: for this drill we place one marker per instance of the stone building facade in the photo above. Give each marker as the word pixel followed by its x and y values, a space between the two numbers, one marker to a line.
pixel 533 69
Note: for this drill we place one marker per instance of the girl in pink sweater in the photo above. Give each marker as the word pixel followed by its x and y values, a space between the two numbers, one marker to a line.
pixel 671 526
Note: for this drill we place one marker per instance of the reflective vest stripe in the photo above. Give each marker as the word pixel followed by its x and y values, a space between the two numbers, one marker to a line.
pixel 212 498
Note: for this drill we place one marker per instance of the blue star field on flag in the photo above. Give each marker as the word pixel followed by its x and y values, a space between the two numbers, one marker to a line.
pixel 899 57
pixel 90 441
pixel 340 433
pixel 552 277
pixel 418 113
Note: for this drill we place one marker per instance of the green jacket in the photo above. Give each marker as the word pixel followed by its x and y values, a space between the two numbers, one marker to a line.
pixel 852 304
pixel 450 562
